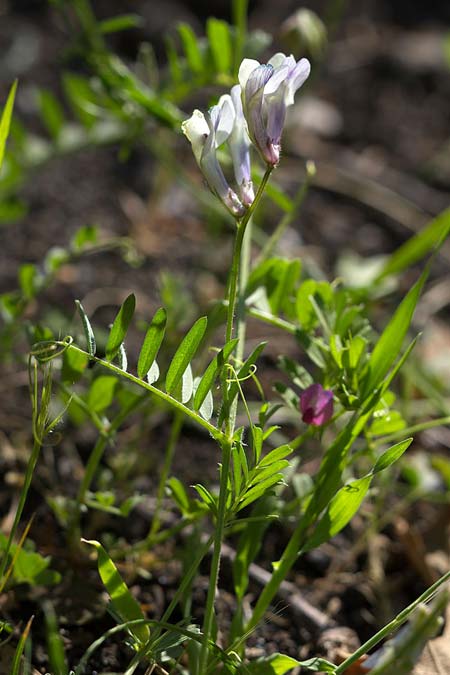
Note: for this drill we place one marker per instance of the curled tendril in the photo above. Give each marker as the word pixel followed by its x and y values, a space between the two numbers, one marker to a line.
pixel 235 377
pixel 42 355
pixel 47 350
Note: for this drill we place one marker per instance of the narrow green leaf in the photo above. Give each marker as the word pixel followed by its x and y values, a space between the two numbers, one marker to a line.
pixel 28 280
pixel 258 490
pixel 259 474
pixel 55 645
pixel 185 353
pixel 391 455
pixel 206 497
pixel 391 340
pixel 340 511
pixel 51 112
pixel 275 455
pixel 219 38
pixel 123 602
pixel 17 660
pixel 82 98
pixel 5 121
pixel 287 275
pixel 152 342
pixel 118 23
pixel 85 236
pixel 88 332
pixel 173 61
pixel 418 246
pixel 179 494
pixel 120 327
pixel 191 48
pixel 212 372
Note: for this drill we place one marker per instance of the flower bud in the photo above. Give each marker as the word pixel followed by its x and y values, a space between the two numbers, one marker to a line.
pixel 304 32
pixel 316 405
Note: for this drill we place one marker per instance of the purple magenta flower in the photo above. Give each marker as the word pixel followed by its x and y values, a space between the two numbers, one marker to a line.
pixel 267 91
pixel 206 133
pixel 316 404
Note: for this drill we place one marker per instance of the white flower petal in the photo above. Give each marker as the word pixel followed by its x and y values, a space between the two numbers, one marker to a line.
pixel 278 60
pixel 296 78
pixel 197 131
pixel 245 70
pixel 226 119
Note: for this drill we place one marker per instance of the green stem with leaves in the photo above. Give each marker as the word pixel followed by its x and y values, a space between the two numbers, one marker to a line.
pixel 236 288
pixel 215 562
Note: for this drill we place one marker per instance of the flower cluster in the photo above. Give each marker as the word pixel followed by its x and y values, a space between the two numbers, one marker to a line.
pixel 253 112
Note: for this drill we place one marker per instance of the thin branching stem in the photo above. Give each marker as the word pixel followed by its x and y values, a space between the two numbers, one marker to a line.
pixel 158 393
pixel 235 290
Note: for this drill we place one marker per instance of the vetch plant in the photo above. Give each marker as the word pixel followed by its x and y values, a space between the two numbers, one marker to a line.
pixel 339 387
pixel 356 380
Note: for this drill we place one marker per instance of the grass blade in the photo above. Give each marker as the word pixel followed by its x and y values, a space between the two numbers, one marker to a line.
pixel 15 666
pixel 417 246
pixel 5 121
pixel 123 602
pixel 390 343
pixel 219 38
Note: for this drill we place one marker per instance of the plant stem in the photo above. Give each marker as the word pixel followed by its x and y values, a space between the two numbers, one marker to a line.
pixel 392 625
pixel 177 425
pixel 236 284
pixel 158 393
pixel 235 265
pixel 23 496
pixel 215 562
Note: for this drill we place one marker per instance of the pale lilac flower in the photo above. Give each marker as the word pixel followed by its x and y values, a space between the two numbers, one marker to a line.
pixel 207 132
pixel 267 91
pixel 316 404
pixel 239 144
